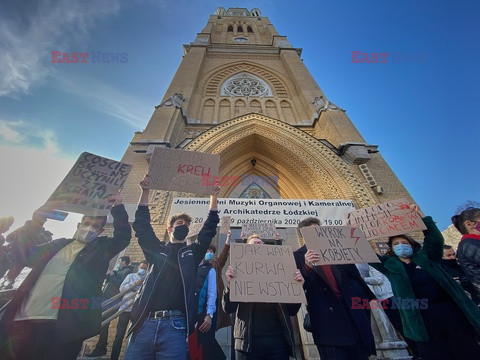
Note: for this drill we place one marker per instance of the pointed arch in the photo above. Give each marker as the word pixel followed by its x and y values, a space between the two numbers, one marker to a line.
pixel 305 167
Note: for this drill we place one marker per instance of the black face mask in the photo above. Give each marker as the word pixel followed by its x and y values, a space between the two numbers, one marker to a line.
pixel 180 232
pixel 451 263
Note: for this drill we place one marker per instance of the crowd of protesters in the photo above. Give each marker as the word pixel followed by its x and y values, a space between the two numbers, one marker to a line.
pixel 178 294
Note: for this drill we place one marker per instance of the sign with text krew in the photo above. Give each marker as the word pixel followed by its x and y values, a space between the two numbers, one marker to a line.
pixel 387 219
pixel 182 170
pixel 264 273
pixel 339 244
pixel 86 187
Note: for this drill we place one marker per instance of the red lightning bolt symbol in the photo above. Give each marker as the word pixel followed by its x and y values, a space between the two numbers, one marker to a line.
pixel 354 237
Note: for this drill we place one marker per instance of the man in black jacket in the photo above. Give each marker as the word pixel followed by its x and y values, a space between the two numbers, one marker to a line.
pixel 340 332
pixel 56 307
pixel 165 311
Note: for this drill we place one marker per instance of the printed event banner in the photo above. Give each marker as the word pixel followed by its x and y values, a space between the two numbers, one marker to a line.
pixel 339 244
pixel 387 219
pixel 182 170
pixel 88 184
pixel 280 212
pixel 264 273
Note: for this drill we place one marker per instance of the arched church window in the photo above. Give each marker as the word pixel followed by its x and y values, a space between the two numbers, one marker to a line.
pixel 249 29
pixel 230 28
pixel 254 191
pixel 239 29
pixel 244 84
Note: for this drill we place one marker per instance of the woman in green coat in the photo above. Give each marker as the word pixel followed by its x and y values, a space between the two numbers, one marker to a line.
pixel 436 313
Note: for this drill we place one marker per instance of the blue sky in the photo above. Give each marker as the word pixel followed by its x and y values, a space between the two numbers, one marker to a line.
pixel 422 114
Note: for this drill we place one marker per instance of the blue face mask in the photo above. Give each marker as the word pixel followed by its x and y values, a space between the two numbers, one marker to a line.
pixel 142 272
pixel 209 256
pixel 403 250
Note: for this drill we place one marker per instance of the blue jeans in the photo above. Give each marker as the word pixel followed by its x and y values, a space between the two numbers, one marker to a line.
pixel 159 339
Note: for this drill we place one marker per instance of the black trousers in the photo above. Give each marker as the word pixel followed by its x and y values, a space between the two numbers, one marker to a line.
pixel 266 348
pixel 122 325
pixel 33 340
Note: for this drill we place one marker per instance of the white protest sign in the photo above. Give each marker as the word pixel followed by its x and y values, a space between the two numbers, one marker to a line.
pixel 339 244
pixel 225 225
pixel 388 219
pixel 194 229
pixel 264 230
pixel 280 212
pixel 264 273
pixel 182 170
pixel 88 184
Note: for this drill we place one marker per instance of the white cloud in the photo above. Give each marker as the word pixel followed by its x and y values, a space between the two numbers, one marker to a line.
pixel 9 133
pixel 25 46
pixel 29 175
pixel 107 99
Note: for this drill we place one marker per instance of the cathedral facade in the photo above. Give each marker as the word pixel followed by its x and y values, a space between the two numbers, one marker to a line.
pixel 243 92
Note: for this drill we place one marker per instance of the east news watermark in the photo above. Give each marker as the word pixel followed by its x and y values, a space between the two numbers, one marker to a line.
pixel 97 57
pixel 388 57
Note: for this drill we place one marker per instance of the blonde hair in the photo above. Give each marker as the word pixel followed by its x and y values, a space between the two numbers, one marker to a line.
pixel 253 236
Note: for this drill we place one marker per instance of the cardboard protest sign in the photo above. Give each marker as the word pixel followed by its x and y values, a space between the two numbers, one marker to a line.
pixel 338 244
pixel 265 230
pixel 225 224
pixel 387 219
pixel 194 229
pixel 181 170
pixel 88 184
pixel 264 273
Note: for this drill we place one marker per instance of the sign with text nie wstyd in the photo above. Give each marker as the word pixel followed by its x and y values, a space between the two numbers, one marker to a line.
pixel 264 273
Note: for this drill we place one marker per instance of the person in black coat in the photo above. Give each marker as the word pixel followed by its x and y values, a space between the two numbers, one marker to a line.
pixel 340 332
pixel 58 305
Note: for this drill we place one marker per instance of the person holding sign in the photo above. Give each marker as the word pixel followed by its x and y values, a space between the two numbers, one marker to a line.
pixel 262 331
pixel 165 311
pixel 340 330
pixel 54 309
pixel 436 313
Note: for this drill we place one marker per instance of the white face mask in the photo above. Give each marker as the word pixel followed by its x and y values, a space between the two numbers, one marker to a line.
pixel 86 233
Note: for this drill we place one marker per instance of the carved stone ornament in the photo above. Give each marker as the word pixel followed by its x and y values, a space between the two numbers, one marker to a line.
pixel 245 84
pixel 176 100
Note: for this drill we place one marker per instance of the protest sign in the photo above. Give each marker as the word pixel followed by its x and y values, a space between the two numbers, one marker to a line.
pixel 338 244
pixel 382 247
pixel 281 212
pixel 225 225
pixel 88 184
pixel 181 170
pixel 194 229
pixel 264 273
pixel 264 230
pixel 387 219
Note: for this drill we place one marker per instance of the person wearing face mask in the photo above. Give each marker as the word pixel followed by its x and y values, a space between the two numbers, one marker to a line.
pixel 51 314
pixel 436 312
pixel 468 253
pixel 165 312
pixel 114 280
pixel 132 283
pixel 202 343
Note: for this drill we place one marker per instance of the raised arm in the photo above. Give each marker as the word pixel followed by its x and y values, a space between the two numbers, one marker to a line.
pixel 147 239
pixel 229 306
pixel 433 241
pixel 122 231
pixel 209 228
pixel 222 259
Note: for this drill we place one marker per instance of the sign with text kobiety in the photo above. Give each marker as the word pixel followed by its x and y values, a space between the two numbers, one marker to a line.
pixel 88 184
pixel 182 170
pixel 338 244
pixel 388 219
pixel 264 273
